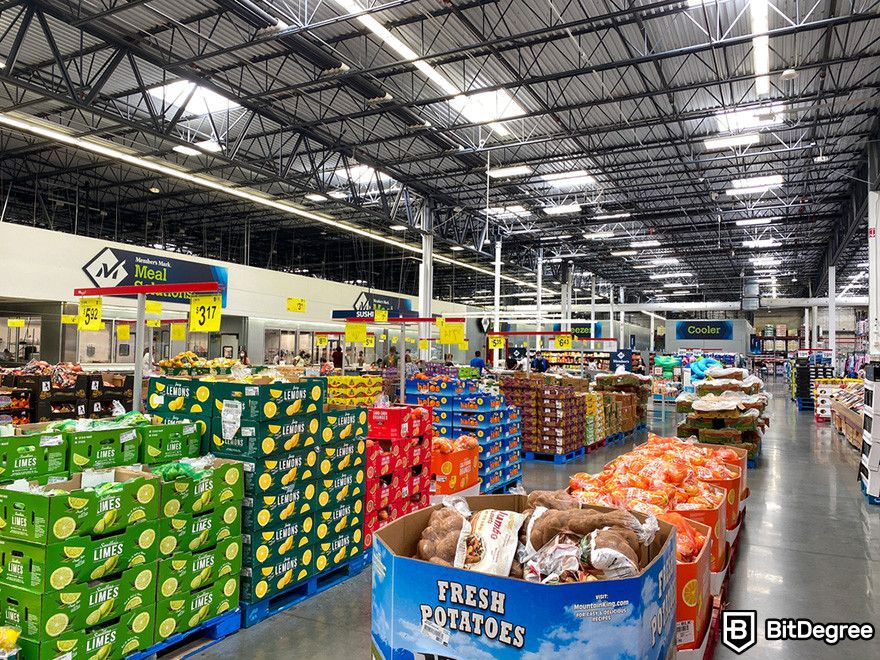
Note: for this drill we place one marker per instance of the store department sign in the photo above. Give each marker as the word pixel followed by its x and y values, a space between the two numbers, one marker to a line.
pixel 704 330
pixel 113 267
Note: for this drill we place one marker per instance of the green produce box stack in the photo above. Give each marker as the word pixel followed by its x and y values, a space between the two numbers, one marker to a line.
pixel 164 442
pixel 180 400
pixel 304 474
pixel 200 544
pixel 42 454
pixel 78 564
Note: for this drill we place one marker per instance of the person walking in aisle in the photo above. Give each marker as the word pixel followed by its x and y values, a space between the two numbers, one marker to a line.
pixel 540 363
pixel 337 357
pixel 477 362
pixel 243 358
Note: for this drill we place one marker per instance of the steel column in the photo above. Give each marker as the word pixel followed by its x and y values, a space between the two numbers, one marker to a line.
pixel 832 315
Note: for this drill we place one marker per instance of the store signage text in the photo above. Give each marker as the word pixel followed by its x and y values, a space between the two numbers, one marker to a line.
pixel 704 330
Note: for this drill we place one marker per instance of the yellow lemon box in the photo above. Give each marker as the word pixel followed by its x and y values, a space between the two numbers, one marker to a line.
pixel 251 439
pixel 94 503
pixel 179 395
pixel 339 548
pixel 340 456
pixel 185 611
pixel 77 606
pixel 40 568
pixel 273 475
pixel 162 442
pixel 269 546
pixel 266 401
pixel 260 582
pixel 268 511
pixel 118 638
pixel 189 571
pixel 188 533
pixel 345 423
pixel 185 490
pixel 102 449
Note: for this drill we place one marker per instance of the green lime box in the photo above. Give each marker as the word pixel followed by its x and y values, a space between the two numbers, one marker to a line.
pixel 89 503
pixel 187 533
pixel 118 638
pixel 268 400
pixel 102 449
pixel 260 582
pixel 32 456
pixel 273 475
pixel 185 611
pixel 179 395
pixel 77 606
pixel 39 568
pixel 202 421
pixel 189 571
pixel 182 493
pixel 346 423
pixel 255 439
pixel 261 512
pixel 163 442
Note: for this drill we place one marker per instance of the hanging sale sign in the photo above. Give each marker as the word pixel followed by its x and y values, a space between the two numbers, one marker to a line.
pixel 15 323
pixel 204 312
pixel 452 333
pixel 370 341
pixel 154 323
pixel 178 331
pixel 296 305
pixel 463 345
pixel 89 314
pixel 321 340
pixel 355 333
pixel 152 307
pixel 497 341
pixel 69 319
pixel 563 341
pixel 424 344
pixel 123 332
pixel 380 315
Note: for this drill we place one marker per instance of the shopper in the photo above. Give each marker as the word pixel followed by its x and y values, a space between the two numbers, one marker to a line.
pixel 337 357
pixel 477 362
pixel 392 358
pixel 146 362
pixel 7 355
pixel 361 360
pixel 326 367
pixel 243 358
pixel 279 358
pixel 540 363
pixel 448 360
pixel 640 367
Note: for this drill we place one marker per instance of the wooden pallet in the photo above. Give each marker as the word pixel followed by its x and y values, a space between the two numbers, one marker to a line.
pixel 555 458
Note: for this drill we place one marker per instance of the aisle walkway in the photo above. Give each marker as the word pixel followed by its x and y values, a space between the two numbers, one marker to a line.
pixel 811 549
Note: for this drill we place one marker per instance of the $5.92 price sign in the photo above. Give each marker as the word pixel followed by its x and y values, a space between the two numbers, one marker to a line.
pixel 204 312
pixel 89 314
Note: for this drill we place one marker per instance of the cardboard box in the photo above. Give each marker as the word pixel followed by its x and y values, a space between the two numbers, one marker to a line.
pixel 456 471
pixel 188 571
pixel 418 607
pixel 273 475
pixel 102 449
pixel 32 456
pixel 693 598
pixel 254 439
pixel 179 395
pixel 165 442
pixel 265 401
pixel 188 533
pixel 79 605
pixel 202 421
pixel 46 390
pixel 714 519
pixel 395 422
pixel 41 568
pixel 46 518
pixel 53 411
pixel 346 423
pixel 221 484
pixel 185 611
pixel 118 638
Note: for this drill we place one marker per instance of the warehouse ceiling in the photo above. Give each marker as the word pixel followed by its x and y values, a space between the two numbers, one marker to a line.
pixel 316 137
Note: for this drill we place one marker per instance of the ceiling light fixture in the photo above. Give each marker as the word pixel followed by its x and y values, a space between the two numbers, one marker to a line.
pixel 821 158
pixel 744 120
pixel 316 197
pixel 643 267
pixel 361 174
pixel 717 144
pixel 757 190
pixel 760 19
pixel 155 190
pixel 506 172
pixel 664 261
pixel 555 238
pixel 398 227
pixel 667 276
pixel 771 180
pixel 199 100
pixel 765 261
pixel 186 150
pixel 612 216
pixel 338 194
pixel 456 248
pixel 750 222
pixel 761 243
pixel 645 244
pixel 624 253
pixel 562 209
pixel 596 235
pixel 673 285
pixel 569 179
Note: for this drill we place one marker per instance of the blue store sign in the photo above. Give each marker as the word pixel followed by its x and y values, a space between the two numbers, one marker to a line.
pixel 113 267
pixel 704 330
pixel 622 358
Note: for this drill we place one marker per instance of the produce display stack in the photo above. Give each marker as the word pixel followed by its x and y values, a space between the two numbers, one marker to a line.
pixel 825 390
pixel 594 424
pixel 804 381
pixel 188 363
pixel 399 454
pixel 57 391
pixel 353 390
pixel 79 564
pixel 847 414
pixel 523 393
pixel 304 471
pixel 628 383
pixel 561 422
pixel 727 409
pixel 500 454
pixel 16 405
pixel 107 389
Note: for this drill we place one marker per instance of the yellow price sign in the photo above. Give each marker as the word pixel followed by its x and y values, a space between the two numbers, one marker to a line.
pixel 178 332
pixel 370 341
pixel 563 341
pixel 452 333
pixel 89 314
pixel 497 341
pixel 380 315
pixel 463 345
pixel 321 340
pixel 439 321
pixel 204 312
pixel 410 340
pixel 296 305
pixel 154 323
pixel 69 319
pixel 153 307
pixel 424 344
pixel 15 323
pixel 355 333
pixel 123 332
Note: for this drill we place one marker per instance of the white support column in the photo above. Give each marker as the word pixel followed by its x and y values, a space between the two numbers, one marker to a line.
pixel 538 325
pixel 610 334
pixel 832 315
pixel 651 338
pixel 623 343
pixel 814 320
pixel 873 274
pixel 807 333
pixel 497 324
pixel 426 277
pixel 567 294
pixel 593 334
pixel 139 341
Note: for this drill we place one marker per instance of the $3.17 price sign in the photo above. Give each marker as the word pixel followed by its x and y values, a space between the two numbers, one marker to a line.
pixel 89 314
pixel 204 312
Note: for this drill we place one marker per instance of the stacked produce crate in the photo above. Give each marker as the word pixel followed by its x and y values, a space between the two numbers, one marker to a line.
pixel 353 390
pixel 825 390
pixel 523 393
pixel 107 389
pixel 57 391
pixel 16 405
pixel 628 383
pixel 398 465
pixel 79 560
pixel 561 423
pixel 594 423
pixel 804 381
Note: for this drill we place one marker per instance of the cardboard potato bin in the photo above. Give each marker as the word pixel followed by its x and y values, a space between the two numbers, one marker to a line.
pixel 693 598
pixel 425 610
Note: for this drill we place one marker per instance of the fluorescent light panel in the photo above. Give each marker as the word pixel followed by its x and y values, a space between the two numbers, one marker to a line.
pixel 596 235
pixel 624 253
pixel 569 179
pixel 316 197
pixel 645 244
pixel 744 120
pixel 505 172
pixel 717 144
pixel 664 261
pixel 562 209
pixel 772 180
pixel 750 222
pixel 761 243
pixel 612 216
pixel 202 102
pixel 667 276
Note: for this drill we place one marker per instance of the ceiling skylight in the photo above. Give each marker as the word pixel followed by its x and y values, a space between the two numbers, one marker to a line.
pixel 202 102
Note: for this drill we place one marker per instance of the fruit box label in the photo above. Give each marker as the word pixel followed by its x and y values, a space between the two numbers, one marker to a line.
pixel 78 559
pixel 346 423
pixel 102 449
pixel 188 571
pixel 126 499
pixel 264 511
pixel 77 606
pixel 424 610
pixel 272 475
pixel 28 457
pixel 188 610
pixel 295 566
pixel 115 639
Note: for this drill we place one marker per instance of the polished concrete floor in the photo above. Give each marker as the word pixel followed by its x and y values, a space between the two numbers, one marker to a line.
pixel 811 549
